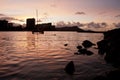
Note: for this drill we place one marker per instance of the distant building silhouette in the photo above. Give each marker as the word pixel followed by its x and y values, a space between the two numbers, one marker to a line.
pixel 45 27
pixel 30 24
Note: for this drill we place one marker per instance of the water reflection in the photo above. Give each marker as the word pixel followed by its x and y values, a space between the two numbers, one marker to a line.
pixel 27 56
pixel 31 42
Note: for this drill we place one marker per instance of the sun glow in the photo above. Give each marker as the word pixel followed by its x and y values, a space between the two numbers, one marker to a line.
pixel 82 11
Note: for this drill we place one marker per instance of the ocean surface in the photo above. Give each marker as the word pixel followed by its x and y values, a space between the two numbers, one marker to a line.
pixel 27 56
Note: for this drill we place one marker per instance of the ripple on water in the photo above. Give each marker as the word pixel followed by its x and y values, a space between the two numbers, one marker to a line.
pixel 26 56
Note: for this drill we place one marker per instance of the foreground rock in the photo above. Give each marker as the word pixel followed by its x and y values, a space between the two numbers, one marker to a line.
pixel 110 46
pixel 70 68
pixel 112 75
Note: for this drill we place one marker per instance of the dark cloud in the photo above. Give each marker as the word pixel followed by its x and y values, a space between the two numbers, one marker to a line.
pixel 10 19
pixel 117 24
pixel 97 25
pixel 104 24
pixel 92 24
pixel 118 16
pixel 60 24
pixel 63 24
pixel 2 14
pixel 87 25
pixel 5 17
pixel 80 13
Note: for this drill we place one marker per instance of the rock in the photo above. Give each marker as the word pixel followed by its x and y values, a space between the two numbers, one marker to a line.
pixel 102 46
pixel 85 52
pixel 79 47
pixel 70 68
pixel 110 45
pixel 82 51
pixel 65 44
pixel 113 75
pixel 87 44
pixel 89 53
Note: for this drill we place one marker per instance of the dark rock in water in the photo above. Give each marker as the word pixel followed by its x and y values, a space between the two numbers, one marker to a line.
pixel 79 47
pixel 89 53
pixel 76 53
pixel 87 44
pixel 70 68
pixel 82 51
pixel 65 44
pixel 85 52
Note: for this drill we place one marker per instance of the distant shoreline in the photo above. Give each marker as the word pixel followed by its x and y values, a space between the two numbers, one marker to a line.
pixel 61 31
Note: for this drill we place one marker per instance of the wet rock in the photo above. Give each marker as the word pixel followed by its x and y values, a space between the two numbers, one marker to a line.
pixel 87 44
pixel 84 52
pixel 79 47
pixel 113 75
pixel 65 44
pixel 110 45
pixel 76 53
pixel 89 53
pixel 102 46
pixel 70 68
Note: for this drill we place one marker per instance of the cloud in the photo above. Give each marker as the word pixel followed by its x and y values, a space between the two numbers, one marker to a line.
pixel 2 14
pixel 60 24
pixel 102 13
pixel 87 25
pixel 118 16
pixel 53 5
pixel 80 13
pixel 97 25
pixel 10 19
pixel 45 14
pixel 63 24
pixel 5 17
pixel 117 24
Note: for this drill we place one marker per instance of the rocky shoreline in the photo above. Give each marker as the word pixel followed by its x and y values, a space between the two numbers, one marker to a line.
pixel 110 48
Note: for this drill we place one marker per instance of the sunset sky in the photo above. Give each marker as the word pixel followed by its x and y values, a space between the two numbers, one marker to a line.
pixel 67 11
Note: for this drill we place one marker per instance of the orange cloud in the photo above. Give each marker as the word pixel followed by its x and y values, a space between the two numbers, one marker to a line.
pixel 80 13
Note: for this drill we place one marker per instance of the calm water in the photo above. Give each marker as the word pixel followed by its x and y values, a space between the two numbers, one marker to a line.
pixel 27 56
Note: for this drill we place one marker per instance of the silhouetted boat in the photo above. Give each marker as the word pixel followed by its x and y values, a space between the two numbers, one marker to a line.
pixel 37 30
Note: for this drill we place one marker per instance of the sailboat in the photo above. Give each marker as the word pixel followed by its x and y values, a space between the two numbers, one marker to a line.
pixel 36 28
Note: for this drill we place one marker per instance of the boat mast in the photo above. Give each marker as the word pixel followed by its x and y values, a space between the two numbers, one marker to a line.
pixel 37 16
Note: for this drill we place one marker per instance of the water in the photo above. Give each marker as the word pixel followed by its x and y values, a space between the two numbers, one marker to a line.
pixel 27 56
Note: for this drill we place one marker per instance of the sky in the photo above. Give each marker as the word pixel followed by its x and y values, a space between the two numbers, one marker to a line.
pixel 59 12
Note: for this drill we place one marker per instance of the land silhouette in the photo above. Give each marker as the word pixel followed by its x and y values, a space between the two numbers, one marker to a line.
pixel 31 26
